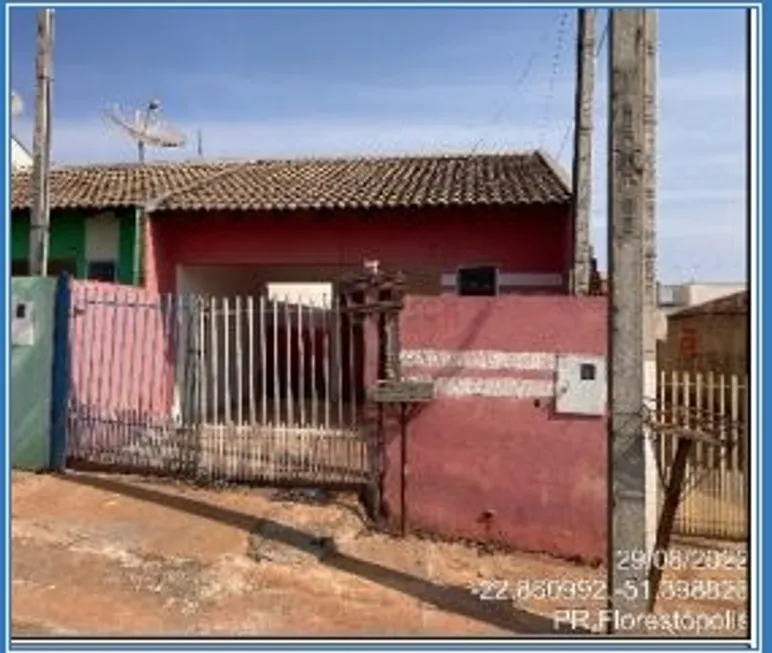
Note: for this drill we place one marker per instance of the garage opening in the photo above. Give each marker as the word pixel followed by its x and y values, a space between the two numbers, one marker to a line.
pixel 269 347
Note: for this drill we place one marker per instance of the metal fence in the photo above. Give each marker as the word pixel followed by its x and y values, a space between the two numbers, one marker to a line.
pixel 715 499
pixel 217 388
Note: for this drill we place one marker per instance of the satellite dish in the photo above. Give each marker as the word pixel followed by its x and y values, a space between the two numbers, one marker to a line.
pixel 146 127
pixel 17 104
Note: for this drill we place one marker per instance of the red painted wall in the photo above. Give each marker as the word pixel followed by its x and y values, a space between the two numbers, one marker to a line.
pixel 531 240
pixel 542 475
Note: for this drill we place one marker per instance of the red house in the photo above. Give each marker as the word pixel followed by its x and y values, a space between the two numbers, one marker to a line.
pixel 486 245
pixel 311 221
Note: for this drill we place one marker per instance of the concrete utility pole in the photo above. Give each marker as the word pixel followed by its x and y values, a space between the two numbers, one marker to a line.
pixel 39 219
pixel 651 292
pixel 626 178
pixel 582 163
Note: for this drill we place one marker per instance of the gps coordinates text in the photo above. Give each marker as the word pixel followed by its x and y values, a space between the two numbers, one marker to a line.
pixel 560 590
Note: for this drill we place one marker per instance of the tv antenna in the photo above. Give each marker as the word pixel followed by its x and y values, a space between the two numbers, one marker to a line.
pixel 146 127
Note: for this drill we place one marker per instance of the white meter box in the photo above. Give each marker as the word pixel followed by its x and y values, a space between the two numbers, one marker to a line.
pixel 22 322
pixel 581 385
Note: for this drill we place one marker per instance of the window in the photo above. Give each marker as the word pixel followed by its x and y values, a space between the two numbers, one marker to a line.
pixel 480 281
pixel 101 271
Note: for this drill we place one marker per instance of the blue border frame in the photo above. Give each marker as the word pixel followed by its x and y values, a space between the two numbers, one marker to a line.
pixel 757 361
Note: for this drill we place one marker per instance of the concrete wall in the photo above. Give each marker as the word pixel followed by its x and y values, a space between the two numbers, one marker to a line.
pixel 31 368
pixel 709 343
pixel 491 441
pixel 425 244
pixel 82 237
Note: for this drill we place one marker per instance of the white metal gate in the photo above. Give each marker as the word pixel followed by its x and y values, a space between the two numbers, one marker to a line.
pixel 220 388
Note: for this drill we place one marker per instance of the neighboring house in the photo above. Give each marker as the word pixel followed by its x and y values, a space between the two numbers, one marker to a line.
pixel 95 219
pixel 450 223
pixel 98 245
pixel 676 297
pixel 21 157
pixel 709 337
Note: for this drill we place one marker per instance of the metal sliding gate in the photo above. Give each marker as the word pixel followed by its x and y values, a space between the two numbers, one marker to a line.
pixel 215 389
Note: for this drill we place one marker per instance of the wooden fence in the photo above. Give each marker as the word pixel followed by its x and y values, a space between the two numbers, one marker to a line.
pixel 715 500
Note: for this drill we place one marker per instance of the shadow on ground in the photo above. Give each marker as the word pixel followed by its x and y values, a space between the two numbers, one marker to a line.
pixel 454 599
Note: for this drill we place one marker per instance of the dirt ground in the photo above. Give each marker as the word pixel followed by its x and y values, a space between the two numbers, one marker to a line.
pixel 98 555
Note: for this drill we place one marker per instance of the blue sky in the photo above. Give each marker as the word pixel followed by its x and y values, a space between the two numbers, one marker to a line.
pixel 298 82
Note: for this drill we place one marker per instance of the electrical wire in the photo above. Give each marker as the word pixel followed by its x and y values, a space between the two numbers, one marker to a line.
pixel 556 62
pixel 564 140
pixel 570 126
pixel 519 82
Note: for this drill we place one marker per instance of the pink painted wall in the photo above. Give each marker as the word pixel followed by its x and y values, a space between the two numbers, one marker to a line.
pixel 533 240
pixel 122 351
pixel 542 475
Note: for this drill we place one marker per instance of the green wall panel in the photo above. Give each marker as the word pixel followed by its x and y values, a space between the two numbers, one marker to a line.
pixel 20 237
pixel 31 368
pixel 67 240
pixel 128 247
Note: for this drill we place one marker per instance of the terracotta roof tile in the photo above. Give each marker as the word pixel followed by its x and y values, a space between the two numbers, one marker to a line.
pixel 734 304
pixel 512 179
pixel 110 186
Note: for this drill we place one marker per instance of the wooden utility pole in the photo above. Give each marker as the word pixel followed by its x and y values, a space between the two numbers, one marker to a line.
pixel 626 179
pixel 651 287
pixel 582 163
pixel 40 217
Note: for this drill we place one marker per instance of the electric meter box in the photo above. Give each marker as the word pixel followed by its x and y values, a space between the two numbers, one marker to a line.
pixel 581 385
pixel 22 322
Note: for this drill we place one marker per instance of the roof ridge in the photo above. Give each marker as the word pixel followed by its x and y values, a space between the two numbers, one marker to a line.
pixel 203 163
pixel 736 302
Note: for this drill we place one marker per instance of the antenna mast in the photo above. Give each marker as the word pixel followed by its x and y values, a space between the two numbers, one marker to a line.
pixel 152 107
